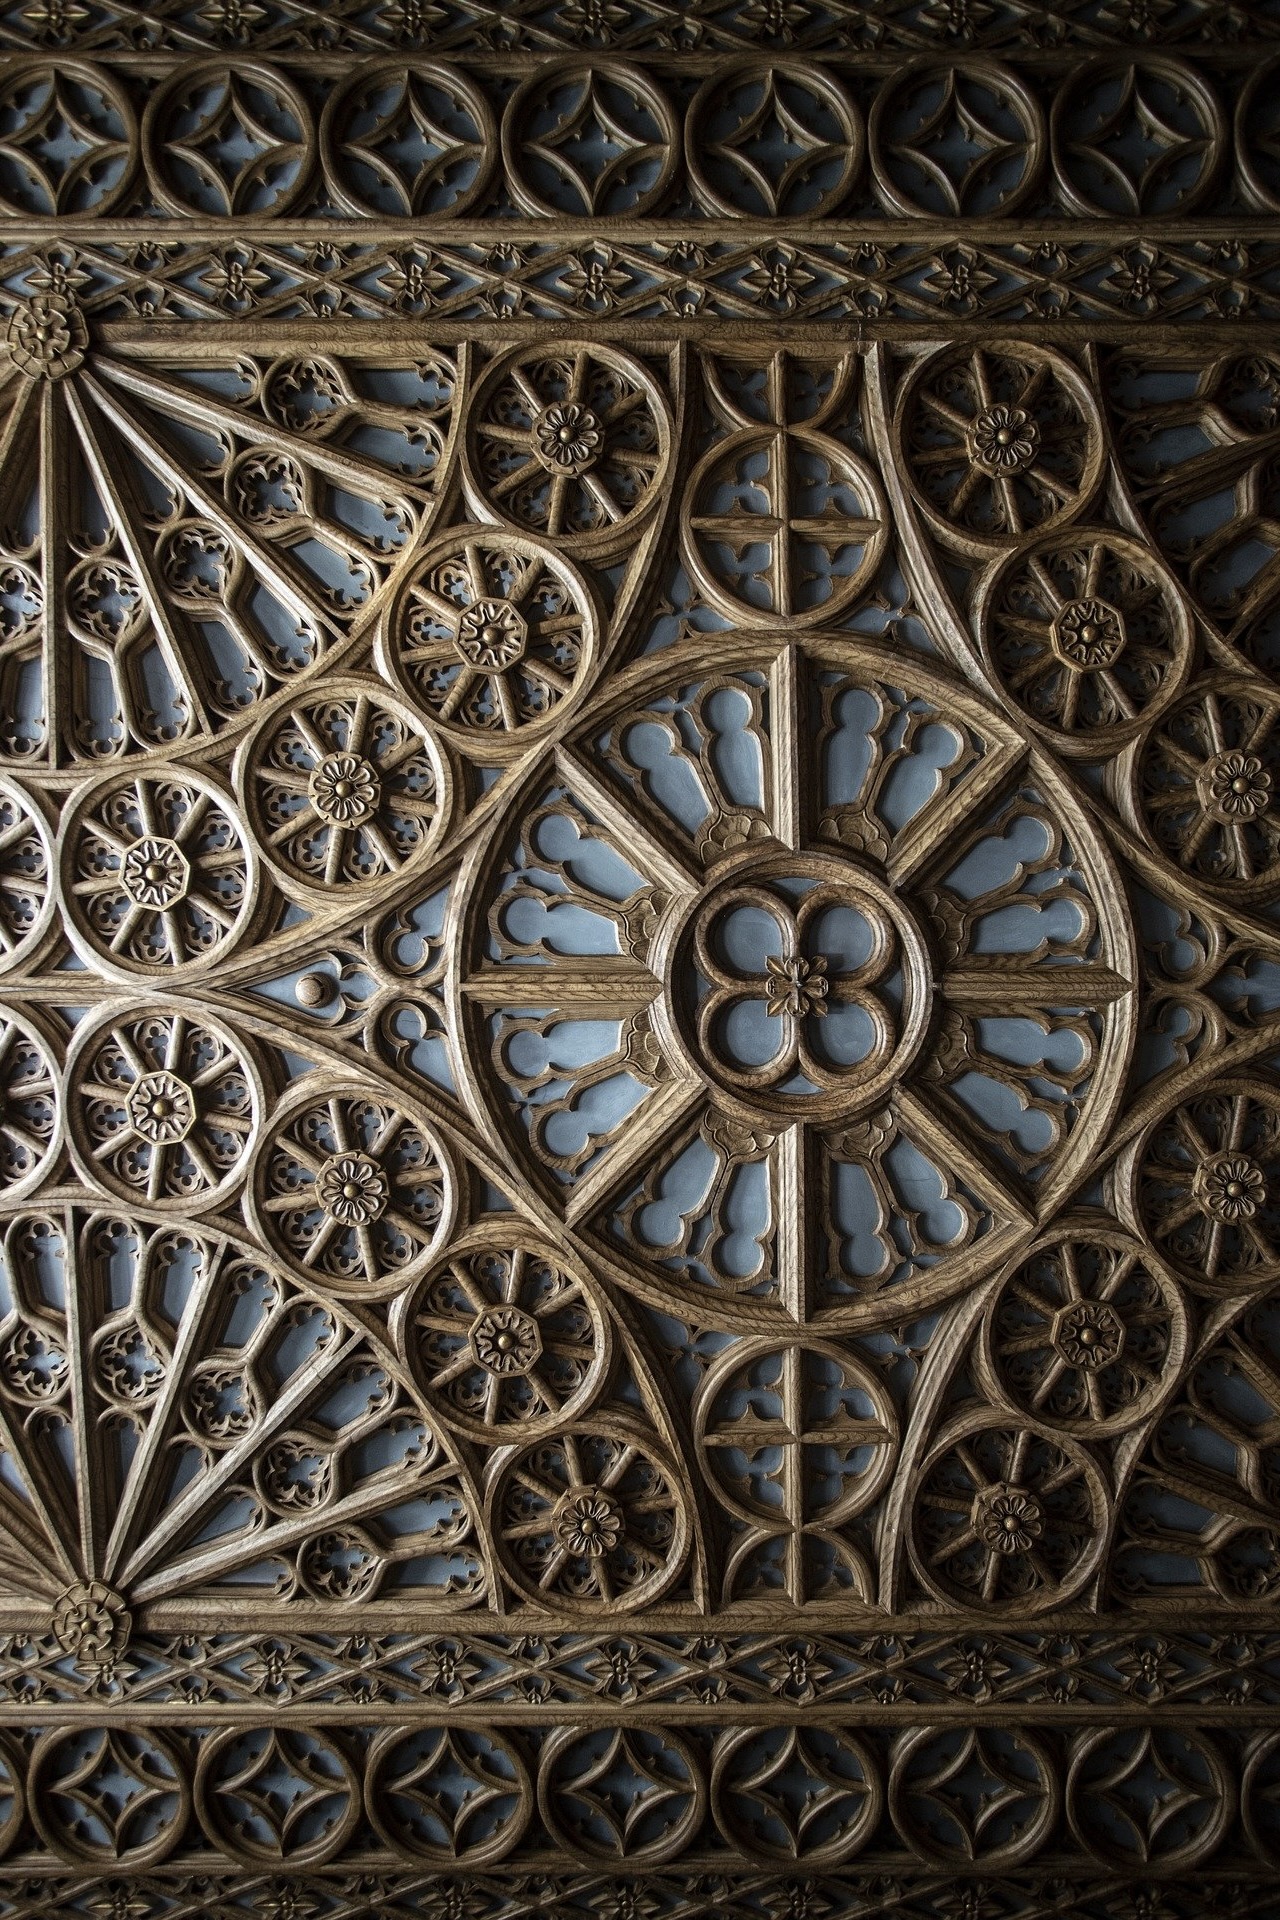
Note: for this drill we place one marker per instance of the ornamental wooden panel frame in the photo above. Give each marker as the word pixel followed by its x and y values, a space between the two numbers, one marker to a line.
pixel 640 959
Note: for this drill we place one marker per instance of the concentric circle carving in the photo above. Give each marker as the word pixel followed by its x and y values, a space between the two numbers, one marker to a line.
pixel 158 874
pixel 352 1191
pixel 1133 136
pixel 964 1797
pixel 490 634
pixel 227 138
pixel 506 1337
pixel 162 1107
pixel 572 447
pixel 998 442
pixel 836 1013
pixel 345 789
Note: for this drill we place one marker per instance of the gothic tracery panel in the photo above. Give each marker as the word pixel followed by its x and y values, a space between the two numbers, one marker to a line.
pixel 639 857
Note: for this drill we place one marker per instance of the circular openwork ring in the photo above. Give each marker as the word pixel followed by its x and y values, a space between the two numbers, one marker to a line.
pixel 662 1794
pixel 416 1777
pixel 796 1796
pixel 998 442
pixel 408 138
pixel 1256 128
pixel 1085 1333
pixel 89 174
pixel 491 633
pixel 506 1337
pixel 157 873
pixel 227 137
pixel 572 446
pixel 126 1799
pixel 351 1190
pixel 1203 788
pixel 983 1797
pixel 1088 635
pixel 552 162
pixel 791 556
pixel 27 896
pixel 279 1796
pixel 1118 1829
pixel 772 141
pixel 1005 1516
pixel 592 1520
pixel 345 789
pixel 800 987
pixel 955 137
pixel 1205 1184
pixel 1135 136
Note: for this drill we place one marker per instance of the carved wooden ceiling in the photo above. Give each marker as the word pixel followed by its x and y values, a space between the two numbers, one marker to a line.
pixel 639 877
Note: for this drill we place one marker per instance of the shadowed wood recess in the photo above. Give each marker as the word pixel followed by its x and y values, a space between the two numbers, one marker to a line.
pixel 639 960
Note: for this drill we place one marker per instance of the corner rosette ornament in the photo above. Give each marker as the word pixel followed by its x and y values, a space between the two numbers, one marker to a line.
pixel 92 1623
pixel 46 336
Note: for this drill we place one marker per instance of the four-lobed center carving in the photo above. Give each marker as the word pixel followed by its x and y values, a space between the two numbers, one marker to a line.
pixel 161 1107
pixel 155 873
pixel 809 986
pixel 1088 634
pixel 492 635
pixel 345 789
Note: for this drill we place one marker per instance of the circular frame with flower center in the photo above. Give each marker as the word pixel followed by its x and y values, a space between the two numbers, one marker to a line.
pixel 346 789
pixel 1204 1184
pixel 1085 1332
pixel 491 633
pixel 352 1190
pixel 27 892
pixel 1088 634
pixel 508 1334
pixel 157 875
pixel 1203 788
pixel 162 1107
pixel 997 443
pixel 574 448
pixel 1009 1518
pixel 591 1520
